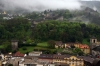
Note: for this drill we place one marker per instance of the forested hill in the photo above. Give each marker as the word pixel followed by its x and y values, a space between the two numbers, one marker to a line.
pixel 20 28
pixel 65 31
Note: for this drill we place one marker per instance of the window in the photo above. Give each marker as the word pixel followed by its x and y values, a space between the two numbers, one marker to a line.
pixel 94 41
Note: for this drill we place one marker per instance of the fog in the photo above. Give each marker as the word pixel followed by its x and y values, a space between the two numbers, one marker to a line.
pixel 39 5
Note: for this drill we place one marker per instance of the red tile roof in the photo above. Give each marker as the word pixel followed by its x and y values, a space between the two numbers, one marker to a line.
pixel 84 46
pixel 18 54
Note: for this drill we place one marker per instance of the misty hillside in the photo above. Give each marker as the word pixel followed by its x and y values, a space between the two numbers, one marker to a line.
pixel 92 4
pixel 87 15
pixel 89 11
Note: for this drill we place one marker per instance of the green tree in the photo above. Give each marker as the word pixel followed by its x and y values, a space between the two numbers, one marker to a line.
pixel 78 51
pixel 7 46
pixel 51 44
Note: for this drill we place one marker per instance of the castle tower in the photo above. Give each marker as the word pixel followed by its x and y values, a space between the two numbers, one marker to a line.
pixel 93 40
pixel 14 44
pixel 93 43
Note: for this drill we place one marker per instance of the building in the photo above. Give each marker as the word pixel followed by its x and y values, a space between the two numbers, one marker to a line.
pixel 14 44
pixel 27 62
pixel 94 42
pixel 59 44
pixel 94 46
pixel 88 61
pixel 34 53
pixel 18 55
pixel 45 58
pixel 65 59
pixel 85 48
pixel 59 58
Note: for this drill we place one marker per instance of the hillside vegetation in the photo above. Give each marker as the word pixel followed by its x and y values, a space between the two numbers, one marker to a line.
pixel 65 31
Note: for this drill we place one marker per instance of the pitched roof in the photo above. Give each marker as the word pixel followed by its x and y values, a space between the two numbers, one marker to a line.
pixel 88 59
pixel 18 54
pixel 59 56
pixel 46 56
pixel 84 46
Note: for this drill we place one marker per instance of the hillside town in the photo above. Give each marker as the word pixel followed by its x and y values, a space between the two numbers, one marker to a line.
pixel 37 58
pixel 50 38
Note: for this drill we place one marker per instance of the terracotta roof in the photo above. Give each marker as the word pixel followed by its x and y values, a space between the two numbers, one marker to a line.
pixel 84 46
pixel 18 54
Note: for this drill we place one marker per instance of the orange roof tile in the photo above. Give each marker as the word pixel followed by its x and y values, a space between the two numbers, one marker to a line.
pixel 84 46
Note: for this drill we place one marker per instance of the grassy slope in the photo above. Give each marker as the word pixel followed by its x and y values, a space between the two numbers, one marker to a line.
pixel 85 41
pixel 42 45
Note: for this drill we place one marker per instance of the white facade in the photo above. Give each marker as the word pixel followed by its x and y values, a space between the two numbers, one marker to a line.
pixel 34 53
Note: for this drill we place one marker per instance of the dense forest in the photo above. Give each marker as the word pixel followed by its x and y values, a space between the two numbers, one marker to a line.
pixel 65 31
pixel 20 29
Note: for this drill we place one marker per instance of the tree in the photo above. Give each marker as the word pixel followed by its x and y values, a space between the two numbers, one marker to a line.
pixel 78 51
pixel 51 43
pixel 7 46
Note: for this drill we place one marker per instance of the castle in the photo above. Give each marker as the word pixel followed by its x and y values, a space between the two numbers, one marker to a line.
pixel 94 42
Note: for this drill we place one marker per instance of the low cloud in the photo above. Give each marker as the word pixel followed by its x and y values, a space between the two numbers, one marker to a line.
pixel 39 5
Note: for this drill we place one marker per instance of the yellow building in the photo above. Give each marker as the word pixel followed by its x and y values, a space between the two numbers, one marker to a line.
pixel 68 59
pixel 85 48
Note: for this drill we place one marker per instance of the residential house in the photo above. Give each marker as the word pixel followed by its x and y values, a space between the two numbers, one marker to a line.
pixel 59 44
pixel 68 45
pixel 35 53
pixel 14 61
pixel 85 48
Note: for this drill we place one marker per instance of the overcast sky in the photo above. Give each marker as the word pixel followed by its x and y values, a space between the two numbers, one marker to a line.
pixel 39 5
